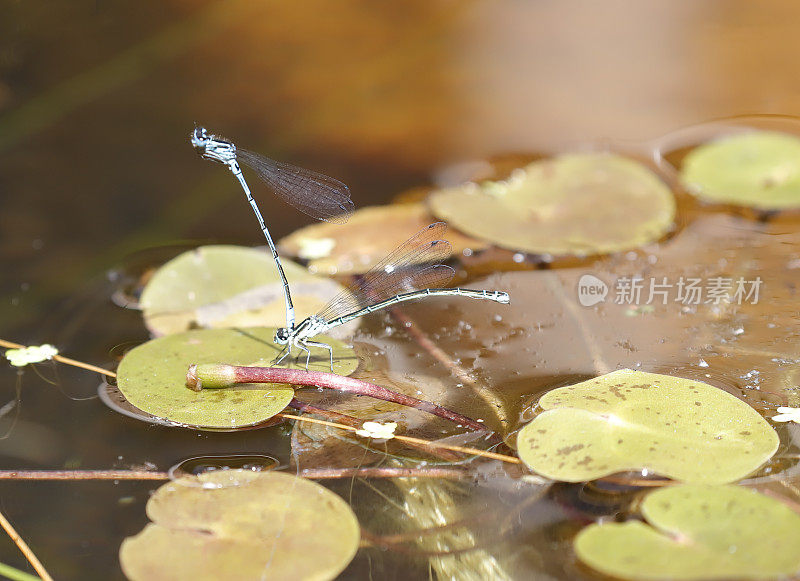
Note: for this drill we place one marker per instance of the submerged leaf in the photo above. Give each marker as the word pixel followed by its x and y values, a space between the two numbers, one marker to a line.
pixel 152 376
pixel 578 204
pixel 698 532
pixel 631 420
pixel 369 235
pixel 759 169
pixel 240 525
pixel 228 286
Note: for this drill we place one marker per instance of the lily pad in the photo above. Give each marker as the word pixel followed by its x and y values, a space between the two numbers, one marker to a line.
pixel 759 169
pixel 631 420
pixel 578 204
pixel 228 286
pixel 152 376
pixel 369 235
pixel 698 532
pixel 239 525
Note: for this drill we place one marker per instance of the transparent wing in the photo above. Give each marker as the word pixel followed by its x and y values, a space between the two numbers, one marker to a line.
pixel 320 196
pixel 416 264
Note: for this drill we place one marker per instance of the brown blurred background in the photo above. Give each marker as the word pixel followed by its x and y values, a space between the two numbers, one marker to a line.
pixel 97 99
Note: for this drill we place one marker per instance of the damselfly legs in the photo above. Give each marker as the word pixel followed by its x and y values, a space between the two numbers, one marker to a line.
pixel 407 274
pixel 315 194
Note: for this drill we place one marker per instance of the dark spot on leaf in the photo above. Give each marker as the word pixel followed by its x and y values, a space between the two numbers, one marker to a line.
pixel 569 449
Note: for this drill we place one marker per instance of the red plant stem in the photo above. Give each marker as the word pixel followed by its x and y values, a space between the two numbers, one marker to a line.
pixel 220 375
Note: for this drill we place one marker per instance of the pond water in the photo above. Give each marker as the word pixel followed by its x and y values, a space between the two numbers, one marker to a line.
pixel 98 184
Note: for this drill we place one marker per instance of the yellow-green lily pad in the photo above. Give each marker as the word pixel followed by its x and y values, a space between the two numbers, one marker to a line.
pixel 228 286
pixel 758 169
pixel 239 525
pixel 579 204
pixel 152 376
pixel 698 532
pixel 630 420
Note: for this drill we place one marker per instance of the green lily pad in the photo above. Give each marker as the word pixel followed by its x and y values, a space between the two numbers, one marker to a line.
pixel 239 525
pixel 228 286
pixel 698 532
pixel 152 376
pixel 578 204
pixel 631 420
pixel 759 169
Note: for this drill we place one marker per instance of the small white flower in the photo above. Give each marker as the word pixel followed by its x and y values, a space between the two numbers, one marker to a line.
pixel 378 430
pixel 787 415
pixel 314 248
pixel 32 354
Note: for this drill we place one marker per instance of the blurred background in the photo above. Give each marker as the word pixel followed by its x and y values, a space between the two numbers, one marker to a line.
pixel 97 99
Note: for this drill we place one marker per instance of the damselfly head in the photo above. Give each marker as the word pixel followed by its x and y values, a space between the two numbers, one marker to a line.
pixel 281 336
pixel 200 139
pixel 211 146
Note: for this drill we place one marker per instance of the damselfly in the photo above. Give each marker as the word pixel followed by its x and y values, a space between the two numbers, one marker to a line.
pixel 408 273
pixel 315 194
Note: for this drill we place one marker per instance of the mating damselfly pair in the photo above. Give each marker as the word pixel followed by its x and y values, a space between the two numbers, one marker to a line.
pixel 412 271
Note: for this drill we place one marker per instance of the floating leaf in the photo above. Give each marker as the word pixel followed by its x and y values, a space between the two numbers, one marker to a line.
pixel 630 420
pixel 377 430
pixel 152 376
pixel 787 414
pixel 240 525
pixel 759 169
pixel 576 204
pixel 369 235
pixel 33 354
pixel 228 286
pixel 698 532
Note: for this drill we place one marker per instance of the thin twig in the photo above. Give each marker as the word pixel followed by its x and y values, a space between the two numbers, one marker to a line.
pixel 378 472
pixel 23 547
pixel 302 406
pixel 308 408
pixel 67 360
pixel 462 449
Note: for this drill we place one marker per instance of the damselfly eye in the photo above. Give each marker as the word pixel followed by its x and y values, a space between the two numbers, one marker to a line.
pixel 282 336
